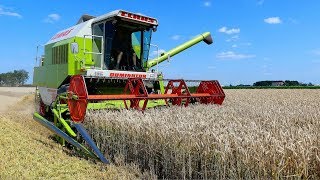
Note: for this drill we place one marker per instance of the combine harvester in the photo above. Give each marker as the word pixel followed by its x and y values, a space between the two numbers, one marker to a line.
pixel 102 63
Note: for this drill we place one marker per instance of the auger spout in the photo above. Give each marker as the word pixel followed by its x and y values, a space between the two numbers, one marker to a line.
pixel 206 37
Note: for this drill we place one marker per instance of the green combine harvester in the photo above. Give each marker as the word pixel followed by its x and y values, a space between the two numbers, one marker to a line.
pixel 102 63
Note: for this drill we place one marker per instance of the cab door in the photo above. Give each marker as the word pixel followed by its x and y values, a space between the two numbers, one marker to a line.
pixel 108 37
pixel 97 44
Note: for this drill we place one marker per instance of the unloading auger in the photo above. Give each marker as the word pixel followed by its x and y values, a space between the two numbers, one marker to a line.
pixel 102 63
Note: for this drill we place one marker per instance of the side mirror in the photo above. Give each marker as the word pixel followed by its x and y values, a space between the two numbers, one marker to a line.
pixel 74 48
pixel 154 29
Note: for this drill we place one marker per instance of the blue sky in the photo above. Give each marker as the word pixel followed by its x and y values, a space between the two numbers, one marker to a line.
pixel 253 39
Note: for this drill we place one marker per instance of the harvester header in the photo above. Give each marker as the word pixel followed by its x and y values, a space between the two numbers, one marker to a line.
pixel 103 63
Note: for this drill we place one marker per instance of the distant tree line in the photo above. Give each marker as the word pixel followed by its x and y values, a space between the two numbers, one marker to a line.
pixel 281 83
pixel 14 78
pixel 287 84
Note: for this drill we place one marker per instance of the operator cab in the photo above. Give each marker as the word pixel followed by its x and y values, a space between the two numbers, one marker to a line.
pixel 122 40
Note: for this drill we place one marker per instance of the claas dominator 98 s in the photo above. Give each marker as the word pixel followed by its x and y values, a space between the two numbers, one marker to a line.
pixel 102 62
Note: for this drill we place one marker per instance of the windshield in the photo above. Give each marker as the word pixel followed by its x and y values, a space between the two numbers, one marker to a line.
pixel 141 44
pixel 130 47
pixel 126 45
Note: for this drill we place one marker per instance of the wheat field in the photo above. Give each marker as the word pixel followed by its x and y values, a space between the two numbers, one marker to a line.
pixel 255 134
pixel 28 151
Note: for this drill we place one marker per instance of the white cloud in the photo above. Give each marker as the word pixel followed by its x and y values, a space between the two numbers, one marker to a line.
pixel 233 38
pixel 207 4
pixel 155 53
pixel 233 55
pixel 260 2
pixel 234 46
pixel 176 37
pixel 273 20
pixel 54 17
pixel 229 31
pixel 51 18
pixel 266 68
pixel 246 44
pixel 316 52
pixel 212 67
pixel 8 12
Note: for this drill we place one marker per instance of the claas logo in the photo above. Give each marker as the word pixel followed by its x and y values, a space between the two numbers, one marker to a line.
pixel 64 33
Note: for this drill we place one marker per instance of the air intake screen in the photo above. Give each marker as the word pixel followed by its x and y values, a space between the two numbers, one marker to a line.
pixel 60 54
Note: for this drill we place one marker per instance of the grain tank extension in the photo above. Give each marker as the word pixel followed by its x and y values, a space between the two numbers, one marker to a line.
pixel 103 63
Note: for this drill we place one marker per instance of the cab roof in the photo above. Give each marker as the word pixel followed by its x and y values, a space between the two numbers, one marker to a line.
pixel 83 26
pixel 129 16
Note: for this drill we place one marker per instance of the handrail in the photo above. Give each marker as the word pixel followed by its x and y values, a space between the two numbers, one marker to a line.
pixel 91 52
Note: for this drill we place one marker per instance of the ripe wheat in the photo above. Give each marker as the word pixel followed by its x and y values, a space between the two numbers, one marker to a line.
pixel 254 134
